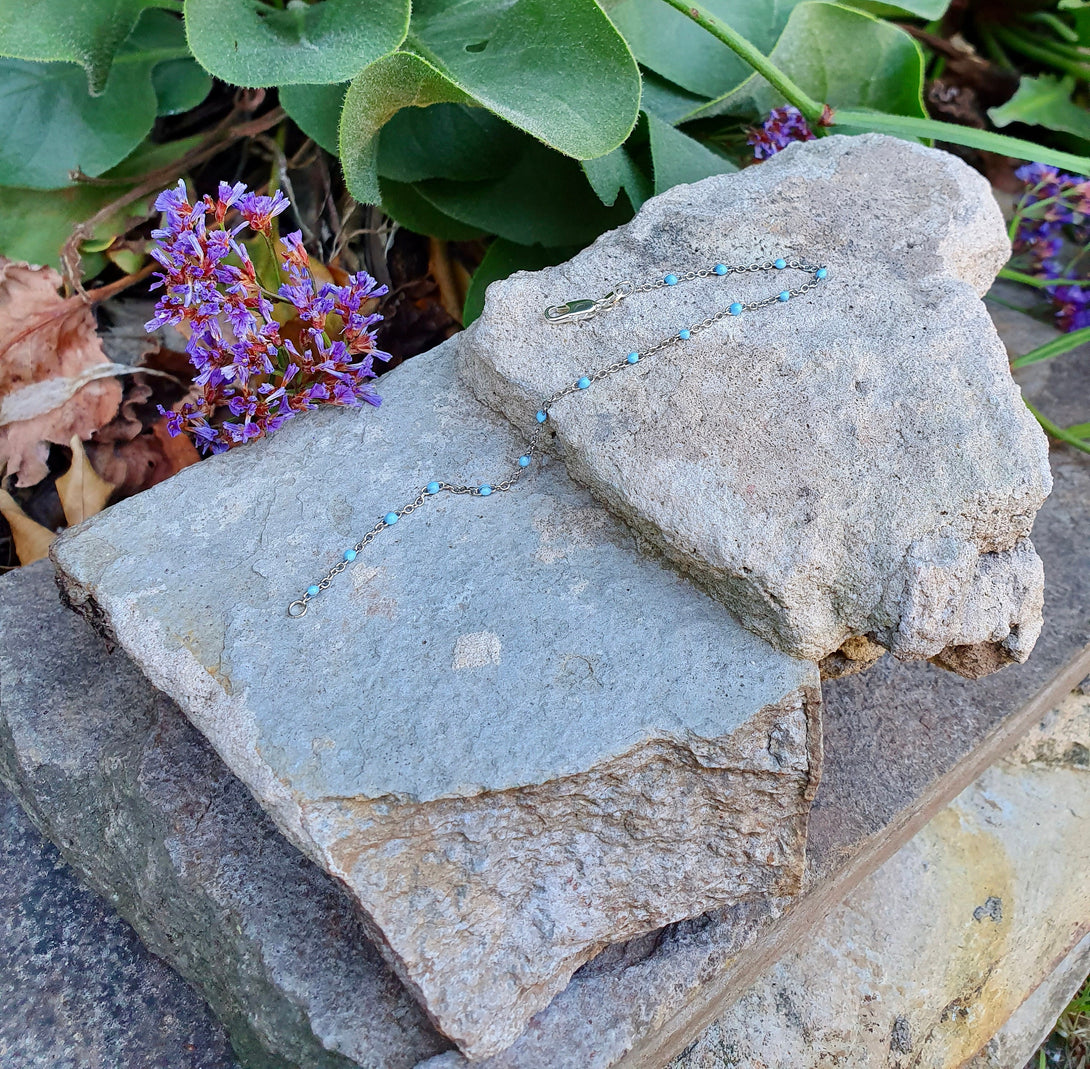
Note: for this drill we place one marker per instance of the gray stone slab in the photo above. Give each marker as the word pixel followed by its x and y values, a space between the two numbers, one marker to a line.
pixel 513 737
pixel 851 471
pixel 77 987
pixel 902 741
pixel 149 816
pixel 952 945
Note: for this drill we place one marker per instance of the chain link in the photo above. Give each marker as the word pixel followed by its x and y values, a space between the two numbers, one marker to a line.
pixel 576 311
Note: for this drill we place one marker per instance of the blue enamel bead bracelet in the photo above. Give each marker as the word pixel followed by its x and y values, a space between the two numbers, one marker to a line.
pixel 571 312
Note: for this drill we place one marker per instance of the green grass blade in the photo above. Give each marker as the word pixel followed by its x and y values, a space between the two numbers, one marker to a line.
pixel 910 126
pixel 1057 347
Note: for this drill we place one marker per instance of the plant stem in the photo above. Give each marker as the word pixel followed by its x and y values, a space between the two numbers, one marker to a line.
pixel 1057 431
pixel 1057 347
pixel 1039 283
pixel 910 126
pixel 811 109
pixel 1057 25
pixel 994 48
pixel 1042 53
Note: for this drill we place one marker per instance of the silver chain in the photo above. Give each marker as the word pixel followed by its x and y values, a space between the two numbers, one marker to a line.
pixel 571 312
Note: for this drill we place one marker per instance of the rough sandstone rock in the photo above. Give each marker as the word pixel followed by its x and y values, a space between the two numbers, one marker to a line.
pixel 148 815
pixel 77 988
pixel 514 738
pixel 932 954
pixel 856 463
pixel 88 744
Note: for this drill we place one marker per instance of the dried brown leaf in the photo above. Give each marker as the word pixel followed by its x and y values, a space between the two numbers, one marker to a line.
pixel 31 538
pixel 44 336
pixel 81 490
pixel 142 461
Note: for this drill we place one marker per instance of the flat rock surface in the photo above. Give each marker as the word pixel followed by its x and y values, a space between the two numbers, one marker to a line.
pixel 77 988
pixel 149 816
pixel 851 470
pixel 902 741
pixel 929 959
pixel 512 736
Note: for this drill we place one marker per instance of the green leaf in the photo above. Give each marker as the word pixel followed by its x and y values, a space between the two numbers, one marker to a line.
pixel 1044 101
pixel 557 69
pixel 671 45
pixel 678 158
pixel 377 94
pixel 250 43
pixel 840 56
pixel 921 9
pixel 316 110
pixel 1057 347
pixel 54 126
pixel 35 223
pixel 446 141
pixel 666 100
pixel 180 84
pixel 403 203
pixel 544 199
pixel 502 260
pixel 85 32
pixel 614 171
pixel 912 129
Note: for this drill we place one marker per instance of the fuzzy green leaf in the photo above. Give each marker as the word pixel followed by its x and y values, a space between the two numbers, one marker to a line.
pixel 1044 101
pixel 403 203
pixel 842 57
pixel 316 110
pixel 251 43
pixel 447 141
pixel 555 68
pixel 544 199
pixel 502 260
pixel 678 158
pixel 86 32
pixel 379 92
pixel 54 126
pixel 675 47
pixel 180 84
pixel 614 171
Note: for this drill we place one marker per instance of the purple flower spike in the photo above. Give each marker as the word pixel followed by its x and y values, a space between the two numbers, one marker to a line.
pixel 782 126
pixel 244 366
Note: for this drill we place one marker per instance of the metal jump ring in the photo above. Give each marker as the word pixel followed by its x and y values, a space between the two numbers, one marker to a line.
pixel 297 615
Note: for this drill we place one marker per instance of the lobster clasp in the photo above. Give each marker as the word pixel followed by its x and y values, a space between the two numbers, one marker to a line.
pixel 572 311
pixel 586 307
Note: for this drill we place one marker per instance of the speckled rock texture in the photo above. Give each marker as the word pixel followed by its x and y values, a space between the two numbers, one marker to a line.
pixel 851 472
pixel 928 960
pixel 513 737
pixel 146 814
pixel 77 988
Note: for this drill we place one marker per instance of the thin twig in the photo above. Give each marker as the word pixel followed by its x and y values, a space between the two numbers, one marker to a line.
pixel 217 140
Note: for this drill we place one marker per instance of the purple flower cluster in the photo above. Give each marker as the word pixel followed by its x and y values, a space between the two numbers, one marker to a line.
pixel 782 126
pixel 248 365
pixel 1054 211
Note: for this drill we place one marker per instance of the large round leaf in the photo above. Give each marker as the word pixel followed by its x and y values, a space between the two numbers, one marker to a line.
pixel 316 110
pixel 375 96
pixel 544 199
pixel 842 57
pixel 556 69
pixel 251 43
pixel 87 32
pixel 54 126
pixel 447 141
pixel 674 46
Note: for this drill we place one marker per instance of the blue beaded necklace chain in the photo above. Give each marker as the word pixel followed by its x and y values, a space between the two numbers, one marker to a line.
pixel 571 312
